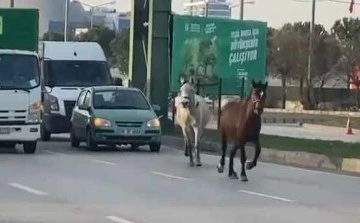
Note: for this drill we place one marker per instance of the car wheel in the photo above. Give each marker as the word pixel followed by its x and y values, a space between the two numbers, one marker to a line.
pixel 75 142
pixel 155 147
pixel 134 146
pixel 45 135
pixel 29 147
pixel 90 144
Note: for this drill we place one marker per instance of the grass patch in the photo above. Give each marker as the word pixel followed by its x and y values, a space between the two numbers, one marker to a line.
pixel 328 148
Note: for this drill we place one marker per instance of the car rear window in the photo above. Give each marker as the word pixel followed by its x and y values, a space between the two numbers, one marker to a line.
pixel 120 99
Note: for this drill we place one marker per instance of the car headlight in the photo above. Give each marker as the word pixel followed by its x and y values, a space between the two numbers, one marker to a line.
pixel 154 123
pixel 100 122
pixel 34 112
pixel 54 104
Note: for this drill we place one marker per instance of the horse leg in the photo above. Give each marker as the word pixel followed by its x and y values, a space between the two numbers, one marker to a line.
pixel 221 164
pixel 243 160
pixel 186 147
pixel 196 146
pixel 253 163
pixel 232 173
pixel 186 143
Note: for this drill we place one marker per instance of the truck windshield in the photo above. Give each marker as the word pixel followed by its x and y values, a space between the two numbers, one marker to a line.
pixel 19 71
pixel 77 73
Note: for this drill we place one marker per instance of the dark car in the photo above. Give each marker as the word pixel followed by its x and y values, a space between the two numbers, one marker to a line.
pixel 113 115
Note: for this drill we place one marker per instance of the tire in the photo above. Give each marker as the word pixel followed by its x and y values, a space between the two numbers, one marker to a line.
pixel 29 147
pixel 134 146
pixel 155 147
pixel 75 142
pixel 90 144
pixel 45 135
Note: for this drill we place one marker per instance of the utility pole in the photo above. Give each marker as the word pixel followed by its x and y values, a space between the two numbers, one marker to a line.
pixel 66 20
pixel 310 50
pixel 242 2
pixel 12 3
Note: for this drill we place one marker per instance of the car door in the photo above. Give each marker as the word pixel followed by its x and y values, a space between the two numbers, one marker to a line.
pixel 75 118
pixel 84 115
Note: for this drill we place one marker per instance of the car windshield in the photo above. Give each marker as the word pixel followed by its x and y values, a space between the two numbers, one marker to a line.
pixel 78 73
pixel 19 71
pixel 120 99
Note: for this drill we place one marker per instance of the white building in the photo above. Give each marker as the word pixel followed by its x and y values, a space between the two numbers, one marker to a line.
pixel 210 8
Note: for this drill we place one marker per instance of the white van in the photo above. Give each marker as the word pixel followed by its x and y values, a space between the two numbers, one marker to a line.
pixel 68 67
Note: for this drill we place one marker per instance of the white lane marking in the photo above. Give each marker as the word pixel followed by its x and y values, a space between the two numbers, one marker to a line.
pixel 27 189
pixel 118 220
pixel 52 152
pixel 266 195
pixel 171 176
pixel 104 162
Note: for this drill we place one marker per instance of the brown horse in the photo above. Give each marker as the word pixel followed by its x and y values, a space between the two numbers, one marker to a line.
pixel 240 122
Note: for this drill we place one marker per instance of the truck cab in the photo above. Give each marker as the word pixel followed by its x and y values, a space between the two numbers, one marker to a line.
pixel 20 99
pixel 67 68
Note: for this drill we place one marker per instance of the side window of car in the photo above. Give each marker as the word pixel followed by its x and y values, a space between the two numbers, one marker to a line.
pixel 81 98
pixel 87 98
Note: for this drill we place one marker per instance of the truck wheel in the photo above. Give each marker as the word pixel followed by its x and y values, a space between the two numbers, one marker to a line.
pixel 29 147
pixel 74 141
pixel 45 135
pixel 155 147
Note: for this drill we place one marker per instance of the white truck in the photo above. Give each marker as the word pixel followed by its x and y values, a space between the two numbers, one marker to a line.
pixel 20 84
pixel 68 67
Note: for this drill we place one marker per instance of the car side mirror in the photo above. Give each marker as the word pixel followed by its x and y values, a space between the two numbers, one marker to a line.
pixel 156 107
pixel 51 83
pixel 118 81
pixel 84 107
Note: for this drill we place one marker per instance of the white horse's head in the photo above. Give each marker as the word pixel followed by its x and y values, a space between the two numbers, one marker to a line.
pixel 187 93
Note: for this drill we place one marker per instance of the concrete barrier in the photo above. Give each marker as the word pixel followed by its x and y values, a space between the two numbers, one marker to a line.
pixel 301 159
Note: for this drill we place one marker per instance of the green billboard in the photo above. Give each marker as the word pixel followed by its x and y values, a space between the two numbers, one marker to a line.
pixel 19 29
pixel 213 48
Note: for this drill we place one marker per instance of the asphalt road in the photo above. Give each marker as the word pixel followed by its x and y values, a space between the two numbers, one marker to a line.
pixel 63 184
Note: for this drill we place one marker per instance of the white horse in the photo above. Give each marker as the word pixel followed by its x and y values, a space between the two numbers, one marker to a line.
pixel 192 115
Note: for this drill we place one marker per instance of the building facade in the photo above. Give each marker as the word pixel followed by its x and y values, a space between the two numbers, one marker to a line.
pixel 210 8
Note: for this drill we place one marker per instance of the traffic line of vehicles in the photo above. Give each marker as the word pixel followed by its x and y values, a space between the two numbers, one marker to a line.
pixel 51 87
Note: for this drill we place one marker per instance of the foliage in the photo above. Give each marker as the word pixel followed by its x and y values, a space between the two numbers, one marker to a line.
pixel 52 36
pixel 347 32
pixel 120 51
pixel 101 35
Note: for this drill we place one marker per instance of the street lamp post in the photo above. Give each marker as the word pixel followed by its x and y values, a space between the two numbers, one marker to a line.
pixel 66 20
pixel 241 5
pixel 310 49
pixel 242 2
pixel 92 9
pixel 12 3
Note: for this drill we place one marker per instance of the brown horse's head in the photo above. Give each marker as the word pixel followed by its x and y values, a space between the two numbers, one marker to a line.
pixel 258 96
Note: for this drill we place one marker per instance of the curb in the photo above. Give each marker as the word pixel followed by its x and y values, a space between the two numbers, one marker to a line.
pixel 291 158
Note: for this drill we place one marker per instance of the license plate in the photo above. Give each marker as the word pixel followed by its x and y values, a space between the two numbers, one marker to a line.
pixel 4 130
pixel 131 131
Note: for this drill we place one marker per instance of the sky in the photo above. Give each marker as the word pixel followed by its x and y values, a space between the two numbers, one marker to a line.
pixel 275 12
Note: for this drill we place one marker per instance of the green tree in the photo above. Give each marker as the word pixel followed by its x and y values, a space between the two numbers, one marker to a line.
pixel 120 51
pixel 284 52
pixel 347 31
pixel 52 36
pixel 101 35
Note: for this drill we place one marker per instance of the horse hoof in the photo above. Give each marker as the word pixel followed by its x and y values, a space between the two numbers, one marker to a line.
pixel 220 168
pixel 198 163
pixel 244 178
pixel 233 176
pixel 186 155
pixel 192 164
pixel 250 165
